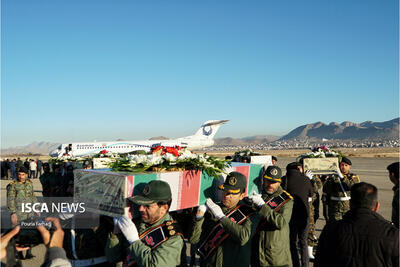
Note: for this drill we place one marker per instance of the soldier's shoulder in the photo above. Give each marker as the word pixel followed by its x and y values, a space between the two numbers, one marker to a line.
pixel 11 184
pixel 29 181
pixel 286 194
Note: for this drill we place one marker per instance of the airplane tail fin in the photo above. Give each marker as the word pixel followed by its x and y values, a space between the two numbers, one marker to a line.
pixel 209 129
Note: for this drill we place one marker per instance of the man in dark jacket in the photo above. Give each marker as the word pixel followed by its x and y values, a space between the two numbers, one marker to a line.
pixel 394 178
pixel 299 186
pixel 362 237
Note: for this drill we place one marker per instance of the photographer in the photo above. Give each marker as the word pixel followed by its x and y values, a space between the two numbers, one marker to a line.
pixel 55 255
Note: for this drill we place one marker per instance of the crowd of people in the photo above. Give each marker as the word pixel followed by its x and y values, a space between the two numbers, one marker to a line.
pixel 9 168
pixel 273 228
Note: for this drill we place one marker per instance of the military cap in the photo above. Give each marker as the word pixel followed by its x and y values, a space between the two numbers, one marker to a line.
pixel 23 169
pixel 346 160
pixel 273 173
pixel 235 183
pixel 153 192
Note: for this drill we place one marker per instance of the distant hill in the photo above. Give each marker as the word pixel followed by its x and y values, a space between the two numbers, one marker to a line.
pixel 159 138
pixel 347 130
pixel 34 148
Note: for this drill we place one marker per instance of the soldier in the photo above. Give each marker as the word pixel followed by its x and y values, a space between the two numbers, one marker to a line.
pixel 224 232
pixel 314 210
pixel 271 245
pixel 19 192
pixel 394 178
pixel 336 192
pixel 274 160
pixel 155 238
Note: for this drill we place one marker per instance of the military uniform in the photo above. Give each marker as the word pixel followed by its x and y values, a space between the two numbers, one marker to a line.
pixel 314 210
pixel 336 201
pixel 223 234
pixel 158 243
pixel 271 244
pixel 18 193
pixel 167 254
pixel 234 250
pixel 395 206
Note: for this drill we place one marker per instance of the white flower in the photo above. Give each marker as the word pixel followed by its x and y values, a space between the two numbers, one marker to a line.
pixel 169 157
pixel 156 160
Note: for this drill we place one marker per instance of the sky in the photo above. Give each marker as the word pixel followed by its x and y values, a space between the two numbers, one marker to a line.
pixel 105 70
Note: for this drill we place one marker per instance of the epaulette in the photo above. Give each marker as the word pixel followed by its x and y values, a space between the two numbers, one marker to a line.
pixel 29 180
pixel 172 228
pixel 11 183
pixel 287 193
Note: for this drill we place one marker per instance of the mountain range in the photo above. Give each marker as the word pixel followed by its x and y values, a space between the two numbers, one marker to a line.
pixel 368 130
pixel 346 130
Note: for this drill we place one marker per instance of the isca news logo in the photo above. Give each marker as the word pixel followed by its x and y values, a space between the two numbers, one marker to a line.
pixel 63 207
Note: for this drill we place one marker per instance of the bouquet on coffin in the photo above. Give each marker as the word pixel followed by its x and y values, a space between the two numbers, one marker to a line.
pixel 164 158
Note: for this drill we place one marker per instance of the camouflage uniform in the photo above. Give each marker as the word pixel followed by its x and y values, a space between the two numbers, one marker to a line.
pixel 314 210
pixel 18 193
pixel 336 201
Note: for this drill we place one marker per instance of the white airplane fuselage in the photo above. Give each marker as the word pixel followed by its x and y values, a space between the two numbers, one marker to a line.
pixel 202 138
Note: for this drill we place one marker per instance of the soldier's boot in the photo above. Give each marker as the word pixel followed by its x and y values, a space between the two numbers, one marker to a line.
pixel 29 254
pixel 310 253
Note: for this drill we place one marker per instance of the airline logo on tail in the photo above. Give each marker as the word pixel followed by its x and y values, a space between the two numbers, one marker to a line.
pixel 207 130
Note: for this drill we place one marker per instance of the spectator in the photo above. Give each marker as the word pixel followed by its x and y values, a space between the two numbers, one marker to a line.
pixel 32 169
pixel 39 166
pixel 394 178
pixel 300 188
pixel 362 237
pixel 13 169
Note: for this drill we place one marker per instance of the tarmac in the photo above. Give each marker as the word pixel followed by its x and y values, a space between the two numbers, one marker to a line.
pixel 370 170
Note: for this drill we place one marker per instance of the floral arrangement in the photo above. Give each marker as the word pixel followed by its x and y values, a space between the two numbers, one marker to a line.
pixel 321 152
pixel 65 158
pixel 170 159
pixel 239 156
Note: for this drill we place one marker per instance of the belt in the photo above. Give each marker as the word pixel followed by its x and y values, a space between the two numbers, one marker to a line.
pixel 88 262
pixel 340 198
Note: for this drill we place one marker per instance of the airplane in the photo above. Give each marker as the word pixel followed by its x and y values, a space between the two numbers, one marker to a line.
pixel 202 138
